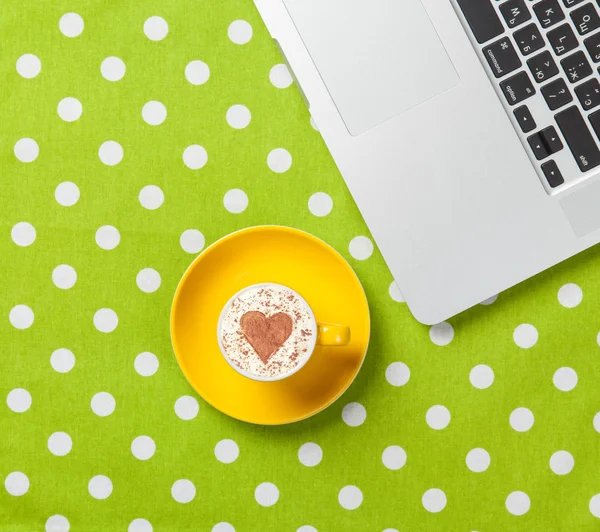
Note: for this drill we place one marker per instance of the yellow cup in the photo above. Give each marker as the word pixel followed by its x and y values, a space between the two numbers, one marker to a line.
pixel 327 334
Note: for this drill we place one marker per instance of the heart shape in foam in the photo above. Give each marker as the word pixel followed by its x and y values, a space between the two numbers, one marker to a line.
pixel 266 335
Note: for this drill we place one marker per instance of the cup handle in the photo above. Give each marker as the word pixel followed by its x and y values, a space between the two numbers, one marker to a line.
pixel 333 335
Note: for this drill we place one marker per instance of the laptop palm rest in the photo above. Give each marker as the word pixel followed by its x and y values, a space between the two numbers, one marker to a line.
pixel 377 58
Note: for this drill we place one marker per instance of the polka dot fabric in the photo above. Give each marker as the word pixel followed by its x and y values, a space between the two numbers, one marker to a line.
pixel 133 137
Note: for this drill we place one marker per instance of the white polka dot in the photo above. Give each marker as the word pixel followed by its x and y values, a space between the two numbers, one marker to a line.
pixel 395 294
pixel 397 373
pixel 100 487
pixel 67 194
pixel 106 320
pixel 489 300
pixel 310 454
pixel 186 408
pixel 197 72
pixel 390 530
pixel 434 500
pixel 235 201
pixel 103 404
pixel 195 157
pixel 156 28
pixel 481 376
pixel 60 444
pixel 18 400
pixel 320 204
pixel 354 414
pixel 438 417
pixel 70 25
pixel 21 317
pixel 16 483
pixel 521 419
pixel 23 234
pixel 143 447
pixel 595 505
pixel 279 160
pixel 238 116
pixel 565 379
pixel 62 360
pixel 266 494
pixel 307 528
pixel 240 32
pixel 525 335
pixel 29 66
pixel 57 523
pixel 110 153
pixel 441 334
pixel 108 237
pixel 478 460
pixel 192 241
pixel 518 503
pixel 223 527
pixel 140 525
pixel 227 451
pixel 154 113
pixel 596 422
pixel 183 491
pixel 350 497
pixel 26 150
pixel 112 68
pixel 280 76
pixel 570 295
pixel 151 197
pixel 394 457
pixel 361 247
pixel 148 280
pixel 562 462
pixel 69 109
pixel 146 364
pixel 64 276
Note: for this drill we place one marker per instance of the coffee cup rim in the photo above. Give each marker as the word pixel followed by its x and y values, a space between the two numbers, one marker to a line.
pixel 248 374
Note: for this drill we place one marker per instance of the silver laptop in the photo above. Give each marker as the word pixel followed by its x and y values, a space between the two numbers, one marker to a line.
pixel 466 130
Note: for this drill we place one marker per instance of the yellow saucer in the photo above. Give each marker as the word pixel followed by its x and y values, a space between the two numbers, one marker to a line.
pixel 269 254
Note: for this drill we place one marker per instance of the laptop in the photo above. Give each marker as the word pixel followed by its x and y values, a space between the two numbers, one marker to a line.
pixel 466 130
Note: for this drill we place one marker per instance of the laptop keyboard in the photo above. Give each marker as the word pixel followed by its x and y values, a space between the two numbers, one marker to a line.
pixel 543 56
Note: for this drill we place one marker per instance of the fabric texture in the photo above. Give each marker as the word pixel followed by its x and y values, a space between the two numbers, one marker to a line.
pixel 132 135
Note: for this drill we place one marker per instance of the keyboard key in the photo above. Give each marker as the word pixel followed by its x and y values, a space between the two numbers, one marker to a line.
pixel 548 12
pixel 538 147
pixel 595 121
pixel 589 94
pixel 482 18
pixel 593 47
pixel 551 140
pixel 517 88
pixel 502 57
pixel 557 94
pixel 576 67
pixel 542 67
pixel 563 39
pixel 515 12
pixel 525 119
pixel 552 173
pixel 586 19
pixel 529 39
pixel 578 137
pixel 571 3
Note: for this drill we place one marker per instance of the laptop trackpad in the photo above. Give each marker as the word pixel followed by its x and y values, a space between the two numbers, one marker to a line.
pixel 378 58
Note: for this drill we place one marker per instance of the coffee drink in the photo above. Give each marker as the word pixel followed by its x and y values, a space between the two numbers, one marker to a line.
pixel 267 331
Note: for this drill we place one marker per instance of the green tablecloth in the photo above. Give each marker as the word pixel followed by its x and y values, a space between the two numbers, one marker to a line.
pixel 489 424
